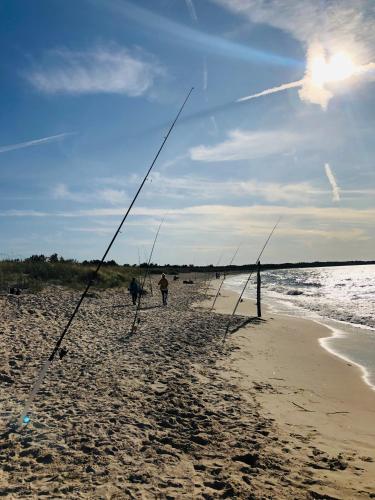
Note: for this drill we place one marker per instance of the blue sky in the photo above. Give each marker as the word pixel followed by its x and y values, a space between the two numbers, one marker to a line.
pixel 89 88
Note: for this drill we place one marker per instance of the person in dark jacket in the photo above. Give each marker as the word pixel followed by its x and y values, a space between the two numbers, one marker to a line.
pixel 134 290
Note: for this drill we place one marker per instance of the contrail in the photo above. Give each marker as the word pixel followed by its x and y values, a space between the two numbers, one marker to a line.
pixel 35 142
pixel 193 12
pixel 332 181
pixel 273 90
pixel 214 123
pixel 205 74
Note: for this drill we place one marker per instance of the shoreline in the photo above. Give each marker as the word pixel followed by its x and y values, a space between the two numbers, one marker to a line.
pixel 335 332
pixel 315 396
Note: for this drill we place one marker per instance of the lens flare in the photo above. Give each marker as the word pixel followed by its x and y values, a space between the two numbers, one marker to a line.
pixel 340 67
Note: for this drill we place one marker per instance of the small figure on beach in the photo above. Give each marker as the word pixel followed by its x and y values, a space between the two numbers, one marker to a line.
pixel 163 284
pixel 134 290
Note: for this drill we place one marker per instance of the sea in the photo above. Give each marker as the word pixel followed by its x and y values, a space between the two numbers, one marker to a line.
pixel 341 298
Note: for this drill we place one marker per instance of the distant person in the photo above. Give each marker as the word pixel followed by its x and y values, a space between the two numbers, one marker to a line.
pixel 134 290
pixel 163 284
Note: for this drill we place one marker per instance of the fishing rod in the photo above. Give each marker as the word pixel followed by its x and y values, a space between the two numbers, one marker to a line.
pixel 222 281
pixel 208 279
pixel 133 328
pixel 139 265
pixel 24 419
pixel 150 283
pixel 248 279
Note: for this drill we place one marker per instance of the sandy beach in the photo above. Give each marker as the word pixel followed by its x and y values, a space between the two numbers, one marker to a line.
pixel 323 409
pixel 171 412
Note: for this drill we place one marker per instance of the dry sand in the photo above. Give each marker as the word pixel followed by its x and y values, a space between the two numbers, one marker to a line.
pixel 168 412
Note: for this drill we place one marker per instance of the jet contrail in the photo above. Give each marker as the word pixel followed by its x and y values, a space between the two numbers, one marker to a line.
pixel 205 75
pixel 193 12
pixel 332 181
pixel 214 123
pixel 273 90
pixel 35 142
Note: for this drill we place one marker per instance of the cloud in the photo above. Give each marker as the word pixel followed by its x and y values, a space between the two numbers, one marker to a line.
pixel 34 142
pixel 338 26
pixel 342 24
pixel 192 11
pixel 108 195
pixel 201 188
pixel 113 196
pixel 306 226
pixel 319 84
pixel 332 181
pixel 101 70
pixel 247 144
pixel 61 192
pixel 228 213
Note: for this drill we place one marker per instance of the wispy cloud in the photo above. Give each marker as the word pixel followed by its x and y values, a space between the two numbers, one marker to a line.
pixel 343 24
pixel 192 11
pixel 300 222
pixel 102 70
pixel 332 181
pixel 247 144
pixel 34 142
pixel 201 188
pixel 108 195
pixel 174 161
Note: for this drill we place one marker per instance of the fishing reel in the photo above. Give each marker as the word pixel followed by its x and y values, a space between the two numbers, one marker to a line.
pixel 63 352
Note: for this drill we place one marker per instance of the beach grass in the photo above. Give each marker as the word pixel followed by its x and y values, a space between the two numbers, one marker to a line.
pixel 34 275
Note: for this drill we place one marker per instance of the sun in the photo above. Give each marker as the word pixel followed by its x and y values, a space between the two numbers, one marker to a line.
pixel 338 68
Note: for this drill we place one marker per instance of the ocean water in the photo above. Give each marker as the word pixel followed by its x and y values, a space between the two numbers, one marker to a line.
pixel 342 298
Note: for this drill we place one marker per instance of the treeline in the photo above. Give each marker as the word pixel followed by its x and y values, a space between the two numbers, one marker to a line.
pixel 175 269
pixel 38 270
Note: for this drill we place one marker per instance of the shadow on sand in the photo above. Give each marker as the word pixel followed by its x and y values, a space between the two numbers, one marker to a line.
pixel 253 320
pixel 150 307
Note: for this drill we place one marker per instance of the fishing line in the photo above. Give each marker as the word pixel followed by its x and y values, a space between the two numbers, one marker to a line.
pixel 24 418
pixel 222 281
pixel 208 279
pixel 132 330
pixel 248 279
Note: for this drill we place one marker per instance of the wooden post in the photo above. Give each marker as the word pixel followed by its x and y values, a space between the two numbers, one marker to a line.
pixel 259 283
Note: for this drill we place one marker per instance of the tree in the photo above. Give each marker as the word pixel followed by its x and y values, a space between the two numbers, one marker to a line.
pixel 54 258
pixel 37 258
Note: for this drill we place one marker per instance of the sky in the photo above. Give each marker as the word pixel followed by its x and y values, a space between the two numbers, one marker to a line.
pixel 280 123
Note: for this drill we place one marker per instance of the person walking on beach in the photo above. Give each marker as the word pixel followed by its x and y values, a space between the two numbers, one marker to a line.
pixel 134 290
pixel 163 284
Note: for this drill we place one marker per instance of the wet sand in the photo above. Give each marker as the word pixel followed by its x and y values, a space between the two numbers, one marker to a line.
pixel 169 412
pixel 325 413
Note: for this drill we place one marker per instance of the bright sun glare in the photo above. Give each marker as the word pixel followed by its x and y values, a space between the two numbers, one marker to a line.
pixel 339 67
